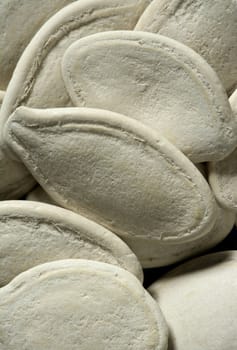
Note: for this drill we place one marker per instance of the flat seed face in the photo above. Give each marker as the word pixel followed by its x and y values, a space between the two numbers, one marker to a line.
pixel 208 27
pixel 115 171
pixel 79 304
pixel 152 253
pixel 158 81
pixel 198 300
pixel 35 233
pixel 37 79
pixel 223 174
pixel 19 21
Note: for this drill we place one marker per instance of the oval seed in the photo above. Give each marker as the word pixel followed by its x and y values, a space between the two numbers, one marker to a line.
pixel 157 81
pixel 198 300
pixel 79 303
pixel 34 233
pixel 114 170
pixel 37 80
pixel 208 27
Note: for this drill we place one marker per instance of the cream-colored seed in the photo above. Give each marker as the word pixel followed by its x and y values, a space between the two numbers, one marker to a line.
pixel 148 190
pixel 115 126
pixel 198 300
pixel 155 254
pixel 209 27
pixel 158 81
pixel 19 21
pixel 34 233
pixel 81 304
pixel 37 80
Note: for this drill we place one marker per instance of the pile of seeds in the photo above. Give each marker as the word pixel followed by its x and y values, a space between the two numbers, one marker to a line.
pixel 118 151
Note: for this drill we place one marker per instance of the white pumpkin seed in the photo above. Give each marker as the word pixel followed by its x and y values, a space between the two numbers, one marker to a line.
pixel 71 304
pixel 208 27
pixel 198 300
pixel 34 233
pixel 158 81
pixel 152 253
pixel 115 171
pixel 37 80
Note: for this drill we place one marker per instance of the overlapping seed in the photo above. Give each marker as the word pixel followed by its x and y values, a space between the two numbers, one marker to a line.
pixel 45 233
pixel 20 20
pixel 201 292
pixel 66 304
pixel 116 115
pixel 37 80
pixel 157 81
pixel 209 27
pixel 152 253
pixel 117 192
